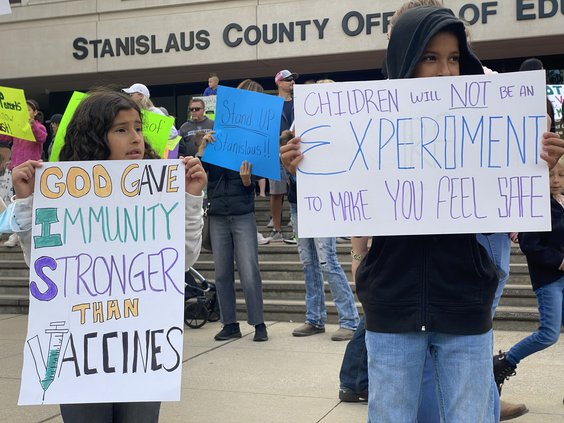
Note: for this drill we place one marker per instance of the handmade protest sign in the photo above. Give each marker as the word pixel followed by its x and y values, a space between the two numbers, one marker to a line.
pixel 73 103
pixel 14 117
pixel 156 129
pixel 423 156
pixel 106 283
pixel 555 94
pixel 247 126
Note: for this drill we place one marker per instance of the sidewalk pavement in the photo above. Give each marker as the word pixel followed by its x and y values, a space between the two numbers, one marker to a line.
pixel 284 380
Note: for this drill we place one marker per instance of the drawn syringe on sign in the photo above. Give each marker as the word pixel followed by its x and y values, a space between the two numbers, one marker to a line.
pixel 46 369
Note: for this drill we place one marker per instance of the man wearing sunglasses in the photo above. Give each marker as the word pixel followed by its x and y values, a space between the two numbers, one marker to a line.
pixel 194 129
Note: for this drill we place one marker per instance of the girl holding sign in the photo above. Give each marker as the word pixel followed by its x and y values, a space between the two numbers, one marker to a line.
pixel 107 126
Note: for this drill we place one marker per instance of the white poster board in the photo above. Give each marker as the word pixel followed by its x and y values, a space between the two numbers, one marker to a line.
pixel 106 283
pixel 423 156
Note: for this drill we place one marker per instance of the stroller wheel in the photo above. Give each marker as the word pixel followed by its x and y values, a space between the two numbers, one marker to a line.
pixel 213 308
pixel 196 314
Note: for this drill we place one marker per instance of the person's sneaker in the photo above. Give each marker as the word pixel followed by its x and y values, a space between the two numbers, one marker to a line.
pixel 276 236
pixel 348 395
pixel 270 223
pixel 511 411
pixel 230 331
pixel 261 240
pixel 307 330
pixel 342 334
pixel 261 334
pixel 502 369
pixel 291 240
pixel 13 241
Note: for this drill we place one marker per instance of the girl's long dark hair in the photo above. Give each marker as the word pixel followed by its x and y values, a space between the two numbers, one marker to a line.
pixel 86 137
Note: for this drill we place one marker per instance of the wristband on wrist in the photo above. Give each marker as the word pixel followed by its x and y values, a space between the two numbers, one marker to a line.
pixel 355 256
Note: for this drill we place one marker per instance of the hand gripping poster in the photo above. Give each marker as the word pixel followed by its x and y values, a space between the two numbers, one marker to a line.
pixel 106 283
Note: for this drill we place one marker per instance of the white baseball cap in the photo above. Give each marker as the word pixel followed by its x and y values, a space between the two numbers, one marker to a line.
pixel 138 88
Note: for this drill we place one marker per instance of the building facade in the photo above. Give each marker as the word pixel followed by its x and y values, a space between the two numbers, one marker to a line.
pixel 52 47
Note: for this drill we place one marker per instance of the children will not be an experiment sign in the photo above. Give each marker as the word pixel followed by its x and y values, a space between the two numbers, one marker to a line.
pixel 423 156
pixel 106 283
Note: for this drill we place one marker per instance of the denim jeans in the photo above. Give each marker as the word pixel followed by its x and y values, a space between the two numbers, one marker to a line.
pixel 551 312
pixel 319 258
pixel 463 372
pixel 119 412
pixel 235 238
pixel 498 247
pixel 354 370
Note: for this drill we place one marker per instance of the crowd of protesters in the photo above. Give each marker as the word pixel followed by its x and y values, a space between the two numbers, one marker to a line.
pixel 441 370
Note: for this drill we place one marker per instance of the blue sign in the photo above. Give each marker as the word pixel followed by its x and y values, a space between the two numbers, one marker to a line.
pixel 247 126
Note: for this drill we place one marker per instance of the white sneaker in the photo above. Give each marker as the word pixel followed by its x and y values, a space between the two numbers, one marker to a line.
pixel 261 240
pixel 270 224
pixel 13 241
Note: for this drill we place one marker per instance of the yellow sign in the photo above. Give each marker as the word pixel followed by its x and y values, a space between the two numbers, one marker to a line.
pixel 14 117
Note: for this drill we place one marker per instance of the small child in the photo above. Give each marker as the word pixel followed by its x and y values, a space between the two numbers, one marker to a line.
pixel 107 126
pixel 545 258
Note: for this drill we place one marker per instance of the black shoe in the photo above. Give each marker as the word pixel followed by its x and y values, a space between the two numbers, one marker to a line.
pixel 502 369
pixel 348 395
pixel 229 331
pixel 260 333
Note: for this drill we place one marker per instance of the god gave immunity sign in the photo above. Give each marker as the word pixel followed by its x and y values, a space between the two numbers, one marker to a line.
pixel 106 283
pixel 423 156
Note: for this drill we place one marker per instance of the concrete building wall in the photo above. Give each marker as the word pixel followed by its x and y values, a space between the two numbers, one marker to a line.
pixel 54 45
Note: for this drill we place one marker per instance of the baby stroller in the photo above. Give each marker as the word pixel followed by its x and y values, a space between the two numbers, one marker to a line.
pixel 200 300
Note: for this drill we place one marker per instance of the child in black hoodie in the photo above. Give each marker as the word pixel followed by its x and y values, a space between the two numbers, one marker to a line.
pixel 428 292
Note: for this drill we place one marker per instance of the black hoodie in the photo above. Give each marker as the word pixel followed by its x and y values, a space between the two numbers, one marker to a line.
pixel 438 283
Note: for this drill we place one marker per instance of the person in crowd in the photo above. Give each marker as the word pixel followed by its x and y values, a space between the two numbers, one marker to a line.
pixel 429 41
pixel 285 81
pixel 545 258
pixel 194 129
pixel 23 150
pixel 498 246
pixel 118 137
pixel 54 123
pixel 319 259
pixel 233 230
pixel 213 82
pixel 141 95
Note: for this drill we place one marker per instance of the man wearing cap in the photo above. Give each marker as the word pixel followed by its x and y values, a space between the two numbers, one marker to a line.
pixel 194 129
pixel 137 91
pixel 140 94
pixel 285 82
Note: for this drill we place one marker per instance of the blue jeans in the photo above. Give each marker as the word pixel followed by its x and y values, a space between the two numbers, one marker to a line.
pixel 551 312
pixel 354 369
pixel 319 258
pixel 119 412
pixel 498 247
pixel 463 372
pixel 235 238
